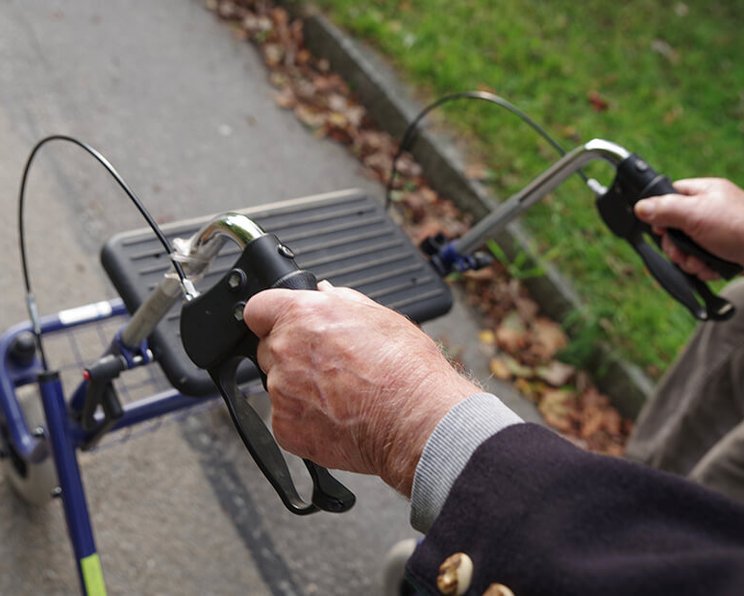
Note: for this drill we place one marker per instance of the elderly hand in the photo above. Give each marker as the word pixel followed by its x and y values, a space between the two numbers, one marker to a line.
pixel 353 385
pixel 708 210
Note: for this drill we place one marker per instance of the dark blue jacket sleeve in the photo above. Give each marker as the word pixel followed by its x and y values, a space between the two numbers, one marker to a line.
pixel 542 516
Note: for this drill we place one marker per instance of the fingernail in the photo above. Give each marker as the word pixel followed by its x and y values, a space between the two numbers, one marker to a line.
pixel 324 284
pixel 644 209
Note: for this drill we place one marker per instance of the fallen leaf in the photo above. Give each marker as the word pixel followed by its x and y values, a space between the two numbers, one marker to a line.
pixel 517 369
pixel 279 79
pixel 309 117
pixel 407 166
pixel 673 115
pixel 226 9
pixel 598 103
pixel 547 338
pixel 286 99
pixel 665 49
pixel 302 57
pixel 529 390
pixel 511 334
pixel 499 369
pixel 487 337
pixel 555 373
pixel 527 308
pixel 478 171
pixel 273 54
pixel 485 274
pixel 555 406
pixel 592 423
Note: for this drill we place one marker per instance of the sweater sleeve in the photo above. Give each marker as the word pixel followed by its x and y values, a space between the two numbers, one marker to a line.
pixel 449 448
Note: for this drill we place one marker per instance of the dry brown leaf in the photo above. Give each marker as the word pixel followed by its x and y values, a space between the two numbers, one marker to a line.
pixel 302 57
pixel 416 202
pixel 518 369
pixel 286 99
pixel 547 338
pixel 309 117
pixel 556 373
pixel 477 171
pixel 614 450
pixel 529 390
pixel 337 102
pixel 487 337
pixel 378 163
pixel 280 16
pixel 273 54
pixel 328 82
pixel 336 119
pixel 527 308
pixel 556 406
pixel 613 422
pixel 485 274
pixel 226 9
pixel 499 369
pixel 599 103
pixel 408 167
pixel 591 424
pixel 511 334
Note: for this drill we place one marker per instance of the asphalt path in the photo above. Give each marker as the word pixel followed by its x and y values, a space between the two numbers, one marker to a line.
pixel 185 112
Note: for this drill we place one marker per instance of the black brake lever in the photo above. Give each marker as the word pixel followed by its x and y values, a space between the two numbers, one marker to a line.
pixel 636 180
pixel 217 339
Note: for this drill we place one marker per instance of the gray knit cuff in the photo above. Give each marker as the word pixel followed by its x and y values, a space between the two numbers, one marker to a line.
pixel 449 448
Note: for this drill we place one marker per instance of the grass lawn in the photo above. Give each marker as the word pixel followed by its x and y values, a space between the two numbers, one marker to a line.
pixel 663 79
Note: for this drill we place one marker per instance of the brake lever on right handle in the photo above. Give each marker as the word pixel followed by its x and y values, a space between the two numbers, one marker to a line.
pixel 217 339
pixel 636 180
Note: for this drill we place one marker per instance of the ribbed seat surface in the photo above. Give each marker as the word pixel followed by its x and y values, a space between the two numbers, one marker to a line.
pixel 345 237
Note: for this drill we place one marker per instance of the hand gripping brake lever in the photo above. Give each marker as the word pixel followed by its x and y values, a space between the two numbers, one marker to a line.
pixel 217 339
pixel 636 180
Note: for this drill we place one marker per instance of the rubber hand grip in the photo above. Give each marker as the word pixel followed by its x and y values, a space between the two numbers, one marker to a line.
pixel 652 185
pixel 670 278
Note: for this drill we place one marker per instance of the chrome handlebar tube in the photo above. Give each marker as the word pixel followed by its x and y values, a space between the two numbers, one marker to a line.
pixel 196 254
pixel 545 183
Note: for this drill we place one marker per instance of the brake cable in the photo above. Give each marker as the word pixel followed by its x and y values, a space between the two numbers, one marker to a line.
pixel 412 129
pixel 30 299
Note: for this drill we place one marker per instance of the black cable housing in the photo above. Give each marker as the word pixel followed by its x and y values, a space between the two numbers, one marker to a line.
pixel 21 227
pixel 412 129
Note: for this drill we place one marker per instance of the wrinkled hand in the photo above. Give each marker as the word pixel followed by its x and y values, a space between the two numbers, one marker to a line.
pixel 708 210
pixel 353 385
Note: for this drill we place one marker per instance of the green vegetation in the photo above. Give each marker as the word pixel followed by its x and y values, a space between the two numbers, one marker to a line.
pixel 664 79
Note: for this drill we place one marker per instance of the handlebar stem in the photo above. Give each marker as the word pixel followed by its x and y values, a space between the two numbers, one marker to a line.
pixel 546 182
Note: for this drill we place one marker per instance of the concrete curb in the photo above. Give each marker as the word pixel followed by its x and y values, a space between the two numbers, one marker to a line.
pixel 392 107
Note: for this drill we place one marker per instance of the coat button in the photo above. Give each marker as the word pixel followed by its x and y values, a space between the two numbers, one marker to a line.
pixel 455 575
pixel 498 590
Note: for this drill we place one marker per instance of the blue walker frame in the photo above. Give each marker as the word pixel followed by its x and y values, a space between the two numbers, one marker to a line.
pixel 63 434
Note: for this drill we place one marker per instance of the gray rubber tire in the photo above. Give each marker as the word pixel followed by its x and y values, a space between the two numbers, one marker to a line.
pixel 394 567
pixel 40 479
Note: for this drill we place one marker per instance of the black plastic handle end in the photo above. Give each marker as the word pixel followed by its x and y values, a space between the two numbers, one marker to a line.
pixel 328 493
pixel 642 181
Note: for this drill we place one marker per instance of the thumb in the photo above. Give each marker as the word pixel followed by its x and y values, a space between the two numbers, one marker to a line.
pixel 666 211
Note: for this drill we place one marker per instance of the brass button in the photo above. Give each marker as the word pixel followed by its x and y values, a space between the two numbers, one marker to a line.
pixel 498 590
pixel 455 575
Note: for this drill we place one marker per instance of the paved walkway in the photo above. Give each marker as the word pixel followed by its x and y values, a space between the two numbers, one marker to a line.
pixel 184 111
